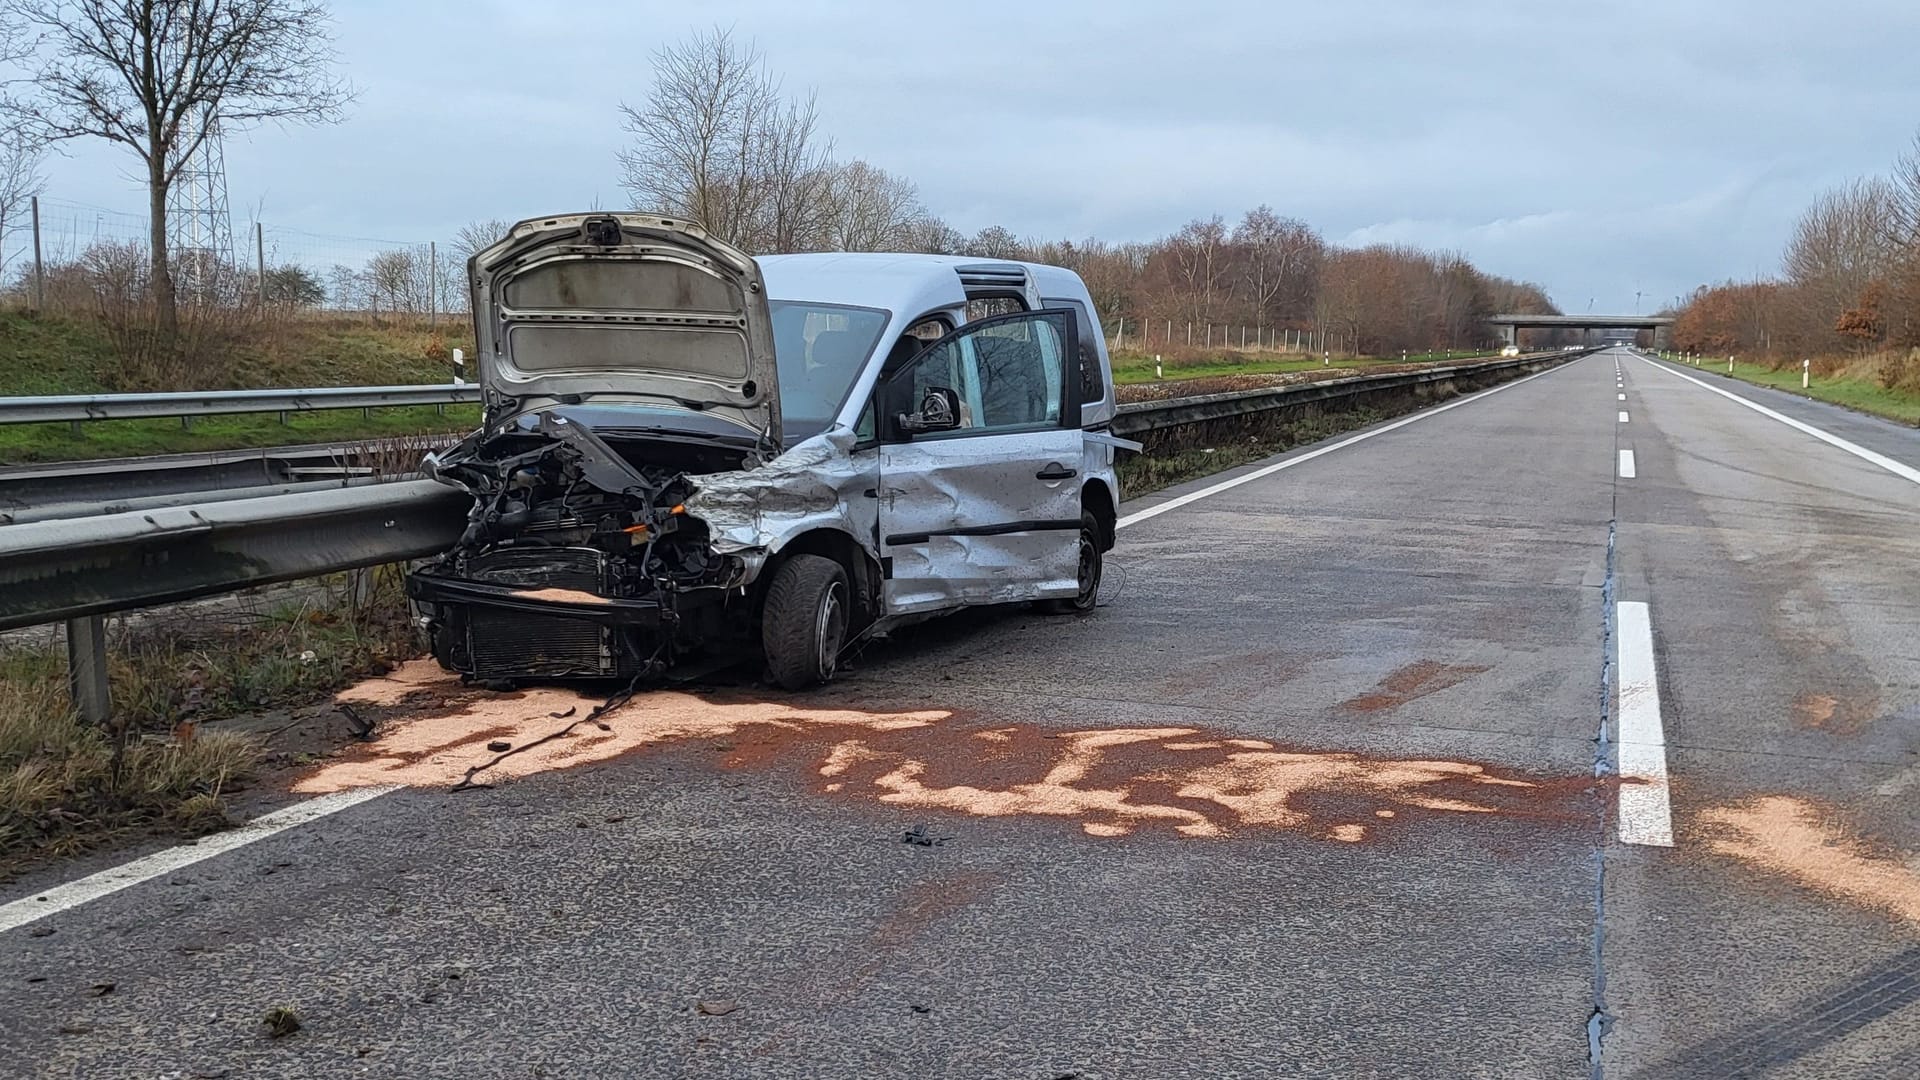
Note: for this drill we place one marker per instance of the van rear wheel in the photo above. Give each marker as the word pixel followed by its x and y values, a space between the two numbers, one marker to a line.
pixel 1091 566
pixel 803 623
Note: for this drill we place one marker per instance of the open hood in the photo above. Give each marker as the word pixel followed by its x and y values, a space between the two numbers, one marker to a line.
pixel 624 307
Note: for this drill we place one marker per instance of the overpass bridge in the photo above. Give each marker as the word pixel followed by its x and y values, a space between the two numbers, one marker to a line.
pixel 1511 325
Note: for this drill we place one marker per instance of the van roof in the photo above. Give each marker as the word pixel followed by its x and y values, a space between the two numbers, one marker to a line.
pixel 904 283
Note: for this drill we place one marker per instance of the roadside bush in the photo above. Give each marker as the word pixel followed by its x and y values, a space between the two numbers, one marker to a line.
pixel 62 781
pixel 1898 370
pixel 174 674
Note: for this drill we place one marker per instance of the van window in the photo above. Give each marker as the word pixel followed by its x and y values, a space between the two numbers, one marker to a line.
pixel 1008 373
pixel 820 349
pixel 1092 372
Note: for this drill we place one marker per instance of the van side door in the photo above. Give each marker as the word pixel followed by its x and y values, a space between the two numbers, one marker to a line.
pixel 980 458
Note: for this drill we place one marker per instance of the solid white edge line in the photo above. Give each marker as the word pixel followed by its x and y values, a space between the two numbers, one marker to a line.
pixel 1268 470
pixel 1905 472
pixel 1646 808
pixel 74 893
pixel 1626 465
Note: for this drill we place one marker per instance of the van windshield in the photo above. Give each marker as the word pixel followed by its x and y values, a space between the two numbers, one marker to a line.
pixel 820 349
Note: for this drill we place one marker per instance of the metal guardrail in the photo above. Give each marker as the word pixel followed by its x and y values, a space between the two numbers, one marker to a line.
pixel 78 567
pixel 78 570
pixel 81 569
pixel 78 407
pixel 101 486
pixel 1144 416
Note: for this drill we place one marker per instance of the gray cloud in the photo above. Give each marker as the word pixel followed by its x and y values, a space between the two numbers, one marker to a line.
pixel 1602 149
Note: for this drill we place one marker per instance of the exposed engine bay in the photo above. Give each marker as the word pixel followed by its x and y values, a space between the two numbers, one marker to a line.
pixel 579 558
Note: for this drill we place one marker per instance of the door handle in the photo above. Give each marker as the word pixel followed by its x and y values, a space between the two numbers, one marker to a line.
pixel 1055 471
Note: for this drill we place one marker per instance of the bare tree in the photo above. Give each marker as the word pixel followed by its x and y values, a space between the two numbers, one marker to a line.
pixel 1279 262
pixel 1201 268
pixel 149 74
pixel 935 237
pixel 20 181
pixel 1904 296
pixel 797 178
pixel 717 142
pixel 476 236
pixel 872 210
pixel 1841 245
pixel 996 242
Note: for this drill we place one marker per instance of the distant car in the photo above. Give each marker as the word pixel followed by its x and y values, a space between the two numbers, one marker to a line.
pixel 1511 350
pixel 686 449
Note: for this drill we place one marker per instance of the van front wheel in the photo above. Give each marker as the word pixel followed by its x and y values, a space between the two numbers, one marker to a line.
pixel 803 624
pixel 1091 565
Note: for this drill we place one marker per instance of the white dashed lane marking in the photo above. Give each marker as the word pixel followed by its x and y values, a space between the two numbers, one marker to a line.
pixel 1646 811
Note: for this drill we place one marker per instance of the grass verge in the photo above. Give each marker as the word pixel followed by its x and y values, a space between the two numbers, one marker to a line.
pixel 1849 387
pixel 166 764
pixel 52 354
pixel 29 443
pixel 1143 474
pixel 1132 368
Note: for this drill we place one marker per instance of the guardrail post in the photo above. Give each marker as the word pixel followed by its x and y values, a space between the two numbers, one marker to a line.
pixel 87 668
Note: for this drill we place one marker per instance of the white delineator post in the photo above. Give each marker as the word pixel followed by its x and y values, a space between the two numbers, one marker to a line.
pixel 1806 369
pixel 459 367
pixel 1157 373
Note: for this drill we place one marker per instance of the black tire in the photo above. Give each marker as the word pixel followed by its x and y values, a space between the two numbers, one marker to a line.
pixel 803 621
pixel 1091 566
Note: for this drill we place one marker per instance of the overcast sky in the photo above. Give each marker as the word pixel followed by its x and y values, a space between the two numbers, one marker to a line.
pixel 1602 149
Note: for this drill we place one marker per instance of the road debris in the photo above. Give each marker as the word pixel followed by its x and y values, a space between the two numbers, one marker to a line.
pixel 718 1007
pixel 921 836
pixel 357 726
pixel 100 989
pixel 280 1022
pixel 501 749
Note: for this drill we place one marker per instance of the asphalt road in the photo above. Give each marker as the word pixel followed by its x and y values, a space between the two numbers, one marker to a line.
pixel 1314 793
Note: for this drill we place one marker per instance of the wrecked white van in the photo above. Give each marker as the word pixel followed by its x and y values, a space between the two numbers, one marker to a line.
pixel 686 450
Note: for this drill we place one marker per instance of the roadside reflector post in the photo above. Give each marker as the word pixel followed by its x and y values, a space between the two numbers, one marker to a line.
pixel 1327 358
pixel 87 668
pixel 459 367
pixel 1729 365
pixel 1157 373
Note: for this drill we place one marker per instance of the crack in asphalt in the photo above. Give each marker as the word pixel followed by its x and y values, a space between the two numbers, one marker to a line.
pixel 1599 1020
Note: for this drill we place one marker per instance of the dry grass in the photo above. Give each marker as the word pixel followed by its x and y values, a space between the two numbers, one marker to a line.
pixel 65 785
